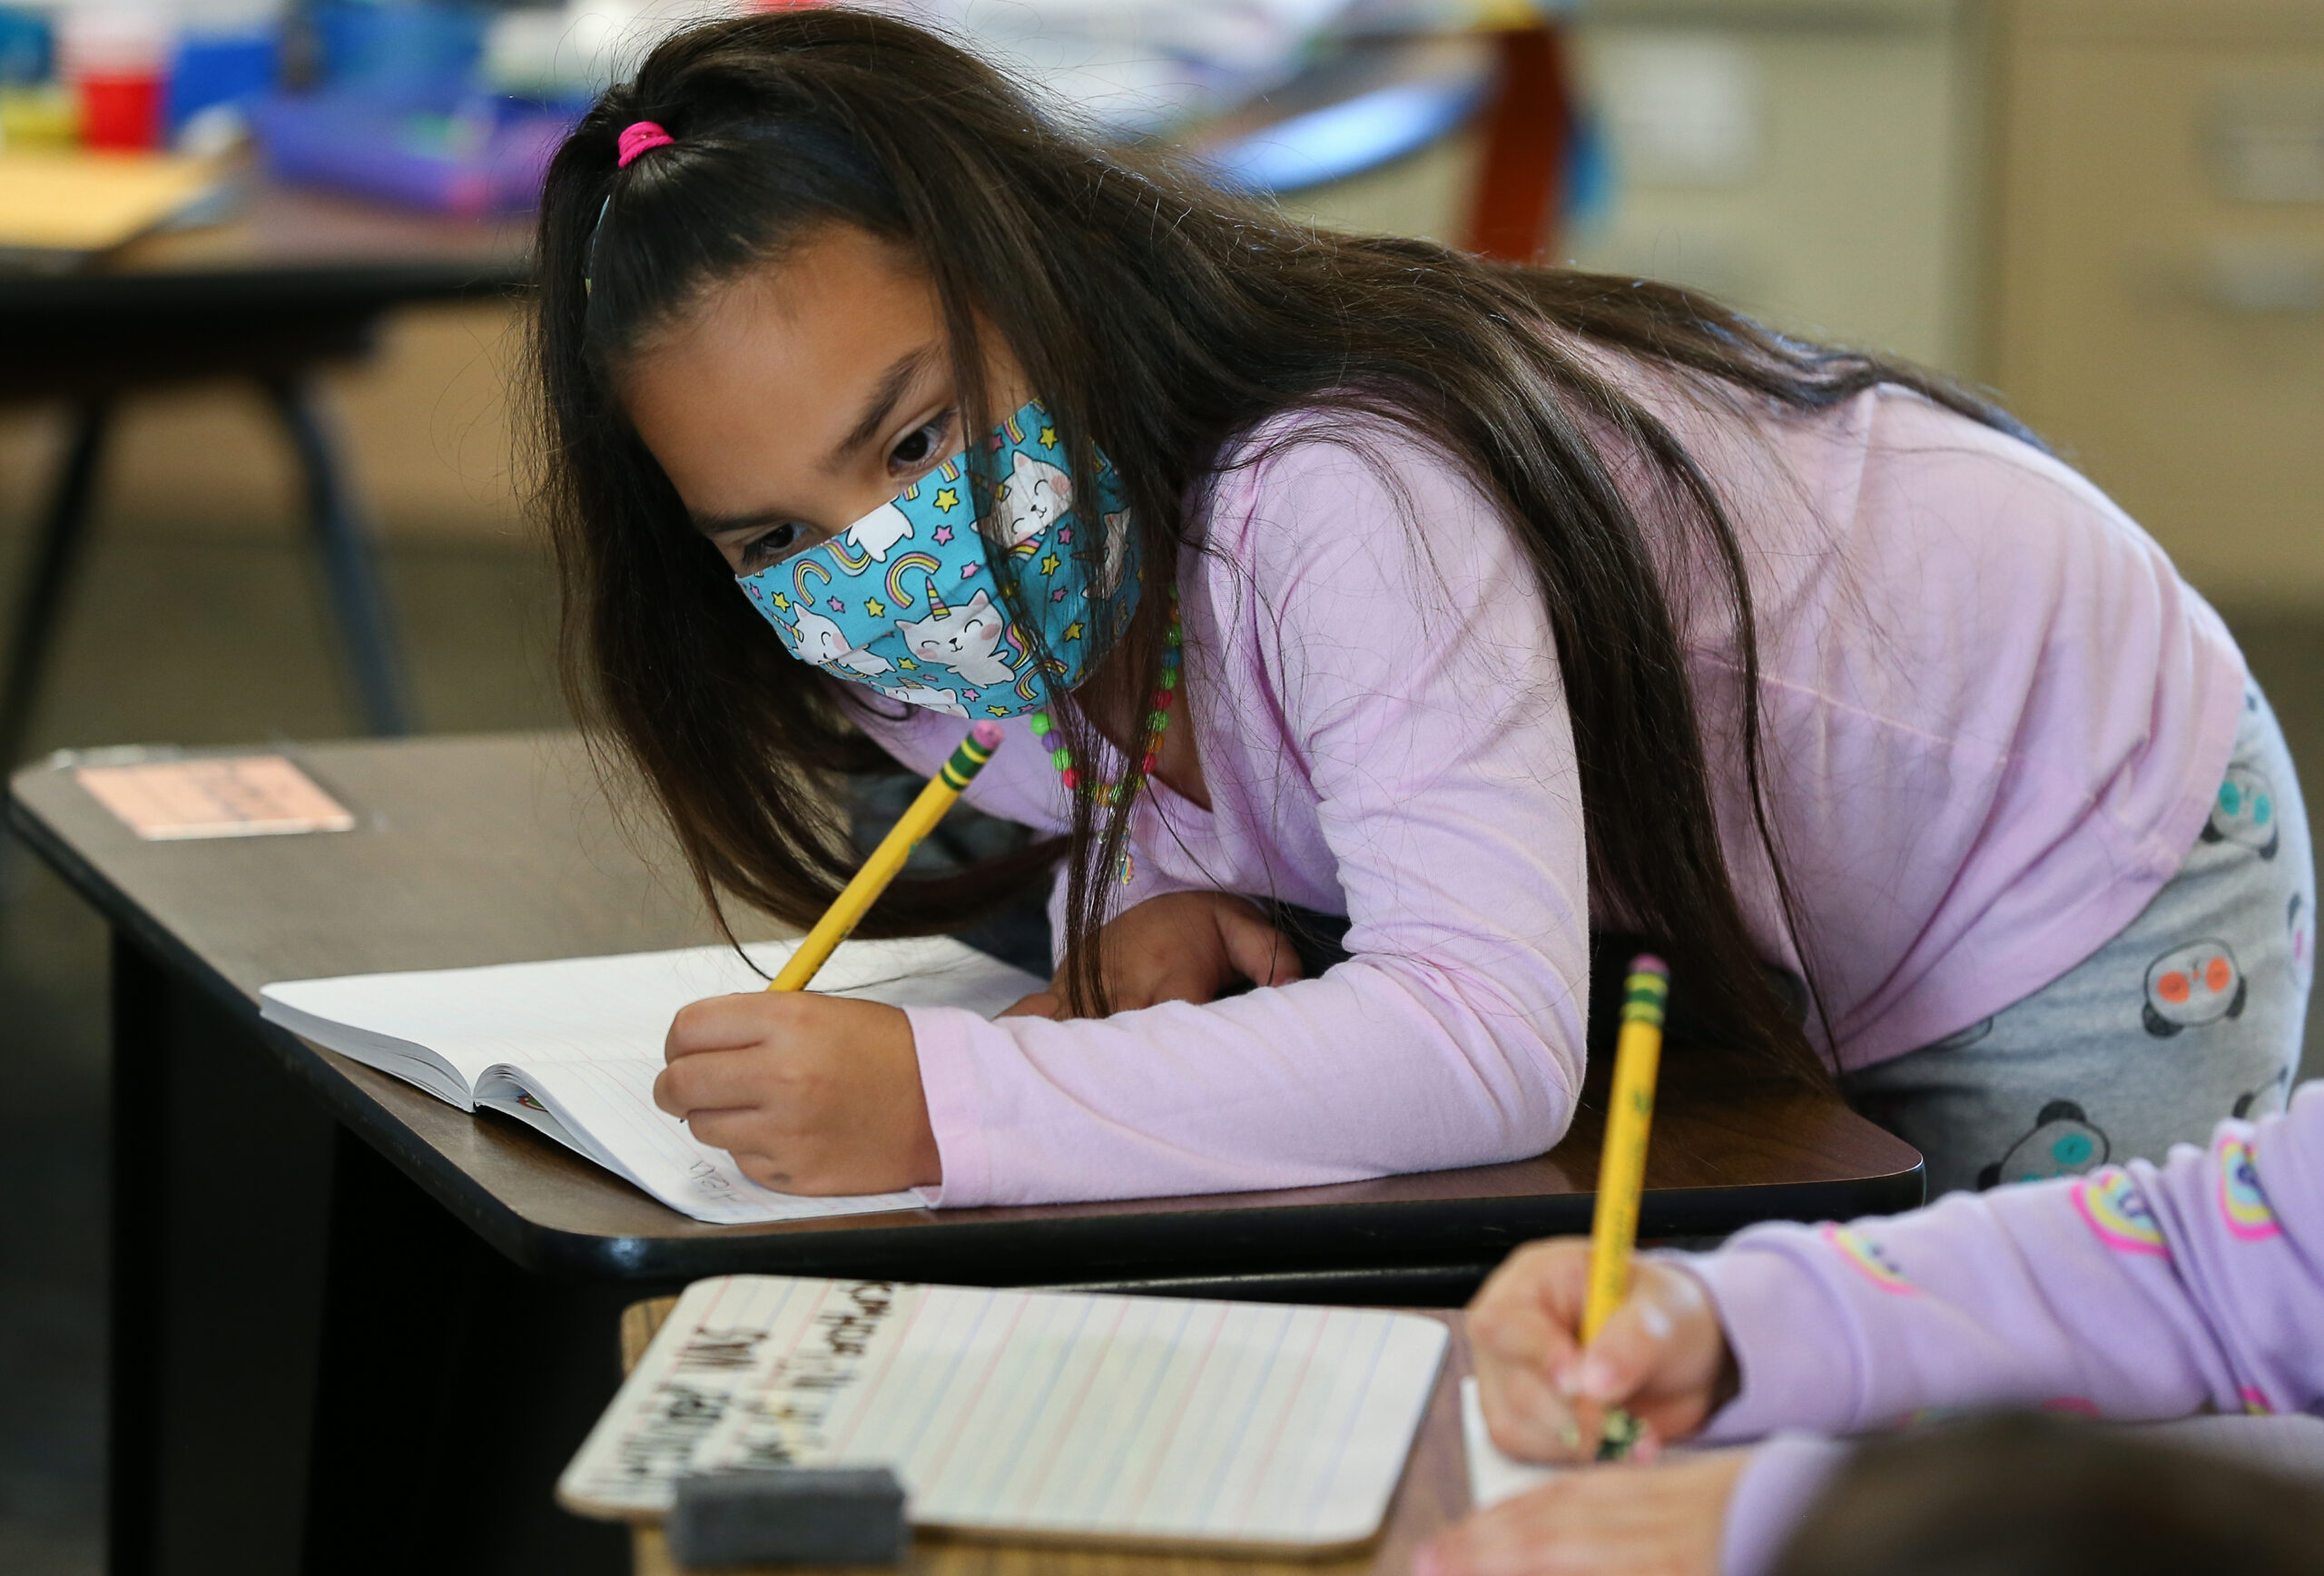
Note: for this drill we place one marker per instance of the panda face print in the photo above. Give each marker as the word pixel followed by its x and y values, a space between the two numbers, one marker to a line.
pixel 2064 1143
pixel 2197 983
pixel 2245 812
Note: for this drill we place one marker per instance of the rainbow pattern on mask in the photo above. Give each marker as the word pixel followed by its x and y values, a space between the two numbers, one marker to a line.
pixel 918 602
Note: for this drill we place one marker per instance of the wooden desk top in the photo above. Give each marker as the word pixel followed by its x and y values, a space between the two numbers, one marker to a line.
pixel 295 279
pixel 504 849
pixel 1434 1493
pixel 284 238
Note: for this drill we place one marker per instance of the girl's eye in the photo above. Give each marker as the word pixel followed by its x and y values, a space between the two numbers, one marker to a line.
pixel 920 448
pixel 771 545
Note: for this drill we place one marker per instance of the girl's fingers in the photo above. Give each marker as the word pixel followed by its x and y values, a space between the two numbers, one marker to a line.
pixel 1528 1310
pixel 1651 1342
pixel 1526 1417
pixel 1257 950
pixel 723 1023
pixel 734 1131
pixel 709 1080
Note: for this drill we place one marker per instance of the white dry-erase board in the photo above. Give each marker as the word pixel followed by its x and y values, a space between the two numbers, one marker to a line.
pixel 1149 1422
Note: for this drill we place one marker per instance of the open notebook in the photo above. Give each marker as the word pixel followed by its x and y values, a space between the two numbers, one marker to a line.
pixel 572 1047
pixel 1154 1421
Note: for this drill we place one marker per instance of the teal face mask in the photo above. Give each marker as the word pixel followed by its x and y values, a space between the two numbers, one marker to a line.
pixel 909 599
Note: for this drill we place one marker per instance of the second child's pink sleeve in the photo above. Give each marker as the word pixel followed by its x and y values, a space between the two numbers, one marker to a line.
pixel 2137 1292
pixel 1382 637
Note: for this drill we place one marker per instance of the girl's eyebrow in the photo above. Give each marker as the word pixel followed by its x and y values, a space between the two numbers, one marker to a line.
pixel 880 406
pixel 719 525
pixel 876 412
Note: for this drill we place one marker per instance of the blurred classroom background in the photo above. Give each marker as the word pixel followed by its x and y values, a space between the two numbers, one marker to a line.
pixel 2110 211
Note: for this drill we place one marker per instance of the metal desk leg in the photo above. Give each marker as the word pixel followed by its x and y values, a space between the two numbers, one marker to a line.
pixel 63 539
pixel 350 564
pixel 220 1181
pixel 451 1388
pixel 133 1377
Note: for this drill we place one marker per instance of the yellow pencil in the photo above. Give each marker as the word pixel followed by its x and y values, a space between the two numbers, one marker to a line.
pixel 848 909
pixel 1622 1173
pixel 1621 1169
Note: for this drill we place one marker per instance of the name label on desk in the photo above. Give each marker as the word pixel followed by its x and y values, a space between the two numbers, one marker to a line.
pixel 214 796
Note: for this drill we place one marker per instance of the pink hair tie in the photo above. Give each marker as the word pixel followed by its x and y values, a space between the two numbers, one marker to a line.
pixel 639 137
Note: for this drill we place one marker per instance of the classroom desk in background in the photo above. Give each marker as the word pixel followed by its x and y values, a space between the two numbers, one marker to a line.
pixel 293 282
pixel 333 1292
pixel 1433 1494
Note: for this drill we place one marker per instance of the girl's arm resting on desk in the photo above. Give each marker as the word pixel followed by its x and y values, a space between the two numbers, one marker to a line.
pixel 1182 946
pixel 1400 669
pixel 2136 1292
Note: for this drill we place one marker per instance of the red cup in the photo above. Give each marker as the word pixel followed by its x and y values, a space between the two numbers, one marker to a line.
pixel 121 109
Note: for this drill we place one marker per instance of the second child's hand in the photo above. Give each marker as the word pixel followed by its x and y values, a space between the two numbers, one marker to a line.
pixel 1180 947
pixel 1662 1355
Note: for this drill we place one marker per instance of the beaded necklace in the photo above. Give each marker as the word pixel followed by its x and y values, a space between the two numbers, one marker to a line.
pixel 1106 793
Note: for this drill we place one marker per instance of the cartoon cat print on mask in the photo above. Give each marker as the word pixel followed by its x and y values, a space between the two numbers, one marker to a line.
pixel 879 531
pixel 963 639
pixel 821 642
pixel 1033 496
pixel 920 694
pixel 1109 574
pixel 1022 539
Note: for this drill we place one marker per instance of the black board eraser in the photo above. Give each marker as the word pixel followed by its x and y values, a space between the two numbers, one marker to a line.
pixel 789 1515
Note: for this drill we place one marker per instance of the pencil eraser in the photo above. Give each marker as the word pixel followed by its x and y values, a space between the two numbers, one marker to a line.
pixel 789 1515
pixel 988 735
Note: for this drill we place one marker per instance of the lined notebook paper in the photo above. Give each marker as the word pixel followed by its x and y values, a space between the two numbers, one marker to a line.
pixel 572 1047
pixel 1151 1421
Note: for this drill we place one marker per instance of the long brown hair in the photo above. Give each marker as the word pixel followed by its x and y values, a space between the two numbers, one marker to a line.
pixel 1159 318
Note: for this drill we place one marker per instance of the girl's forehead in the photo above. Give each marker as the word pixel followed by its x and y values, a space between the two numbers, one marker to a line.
pixel 838 297
pixel 744 397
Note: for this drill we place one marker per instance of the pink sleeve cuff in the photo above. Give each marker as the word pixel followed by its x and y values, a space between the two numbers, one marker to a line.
pixel 948 1082
pixel 1781 1484
pixel 1798 1361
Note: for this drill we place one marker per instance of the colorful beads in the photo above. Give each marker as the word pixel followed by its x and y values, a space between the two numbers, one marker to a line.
pixel 1157 719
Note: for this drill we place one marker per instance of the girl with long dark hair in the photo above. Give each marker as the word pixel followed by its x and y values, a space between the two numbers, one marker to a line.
pixel 1471 602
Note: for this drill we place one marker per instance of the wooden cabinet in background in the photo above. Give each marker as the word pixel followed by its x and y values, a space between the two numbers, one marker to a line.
pixel 2158 268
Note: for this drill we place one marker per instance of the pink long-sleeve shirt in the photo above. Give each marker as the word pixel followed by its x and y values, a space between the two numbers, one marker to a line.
pixel 1996 718
pixel 2136 1293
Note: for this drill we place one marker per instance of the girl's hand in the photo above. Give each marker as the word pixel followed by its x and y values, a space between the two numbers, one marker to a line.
pixel 1663 1519
pixel 1180 947
pixel 1662 1355
pixel 809 1094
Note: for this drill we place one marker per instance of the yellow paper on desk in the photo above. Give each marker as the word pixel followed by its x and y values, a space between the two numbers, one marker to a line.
pixel 81 202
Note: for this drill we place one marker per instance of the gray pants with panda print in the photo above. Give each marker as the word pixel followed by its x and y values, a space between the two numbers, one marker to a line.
pixel 2192 1013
